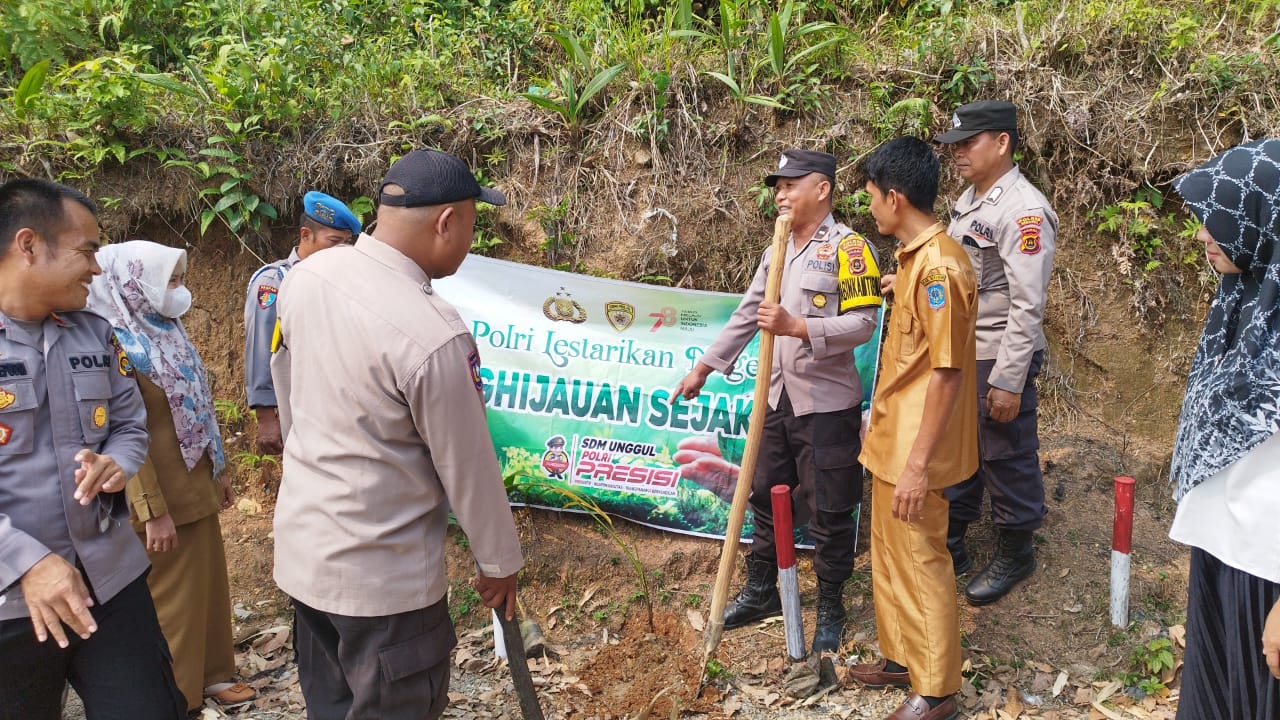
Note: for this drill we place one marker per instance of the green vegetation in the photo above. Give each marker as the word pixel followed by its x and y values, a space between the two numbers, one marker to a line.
pixel 230 109
pixel 575 499
pixel 1151 663
pixel 253 461
pixel 228 412
pixel 462 600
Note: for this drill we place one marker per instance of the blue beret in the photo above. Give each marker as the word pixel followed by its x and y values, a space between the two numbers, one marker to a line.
pixel 330 211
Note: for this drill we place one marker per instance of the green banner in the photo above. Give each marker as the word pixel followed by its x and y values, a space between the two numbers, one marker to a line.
pixel 578 375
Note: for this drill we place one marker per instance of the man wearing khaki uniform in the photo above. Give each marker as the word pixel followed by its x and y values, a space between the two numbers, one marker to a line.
pixel 379 389
pixel 922 436
pixel 1009 231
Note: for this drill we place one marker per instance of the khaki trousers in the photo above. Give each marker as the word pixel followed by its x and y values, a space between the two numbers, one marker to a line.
pixel 914 587
pixel 193 601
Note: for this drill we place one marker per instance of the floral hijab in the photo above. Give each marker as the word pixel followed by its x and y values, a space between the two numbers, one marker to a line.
pixel 1233 391
pixel 135 276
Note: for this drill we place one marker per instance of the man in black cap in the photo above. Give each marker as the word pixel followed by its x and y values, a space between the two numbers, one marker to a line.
pixel 1008 229
pixel 386 434
pixel 830 297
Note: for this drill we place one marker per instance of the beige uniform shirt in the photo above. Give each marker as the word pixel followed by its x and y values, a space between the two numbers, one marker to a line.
pixel 379 390
pixel 931 326
pixel 833 282
pixel 1010 234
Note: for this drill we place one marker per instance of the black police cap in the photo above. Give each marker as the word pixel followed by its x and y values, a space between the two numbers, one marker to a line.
pixel 798 163
pixel 431 177
pixel 977 117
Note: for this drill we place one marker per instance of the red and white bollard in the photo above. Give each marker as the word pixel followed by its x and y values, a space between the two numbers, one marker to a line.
pixel 784 540
pixel 1121 543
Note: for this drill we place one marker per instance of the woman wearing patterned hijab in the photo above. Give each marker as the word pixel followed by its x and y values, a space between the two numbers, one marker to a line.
pixel 176 496
pixel 1226 460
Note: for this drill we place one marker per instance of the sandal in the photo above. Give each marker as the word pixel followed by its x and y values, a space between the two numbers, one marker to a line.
pixel 229 694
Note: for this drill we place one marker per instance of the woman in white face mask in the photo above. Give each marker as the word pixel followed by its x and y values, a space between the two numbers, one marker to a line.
pixel 176 496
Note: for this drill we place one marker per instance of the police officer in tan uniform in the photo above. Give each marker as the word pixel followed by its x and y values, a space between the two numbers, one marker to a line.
pixel 385 434
pixel 1009 231
pixel 829 301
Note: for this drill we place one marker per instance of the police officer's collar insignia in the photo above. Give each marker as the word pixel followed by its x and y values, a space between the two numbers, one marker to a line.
pixel 6 398
pixel 993 197
pixel 59 320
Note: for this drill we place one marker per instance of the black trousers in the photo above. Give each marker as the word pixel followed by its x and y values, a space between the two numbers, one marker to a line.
pixel 1010 464
pixel 390 667
pixel 122 672
pixel 1224 673
pixel 815 455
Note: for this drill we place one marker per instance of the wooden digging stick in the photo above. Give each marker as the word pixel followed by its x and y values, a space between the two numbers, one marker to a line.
pixel 755 429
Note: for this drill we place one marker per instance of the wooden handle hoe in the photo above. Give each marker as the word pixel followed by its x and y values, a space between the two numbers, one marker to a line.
pixel 755 429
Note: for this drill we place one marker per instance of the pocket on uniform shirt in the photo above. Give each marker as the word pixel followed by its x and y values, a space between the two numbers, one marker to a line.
pixel 93 397
pixel 17 417
pixel 906 328
pixel 821 294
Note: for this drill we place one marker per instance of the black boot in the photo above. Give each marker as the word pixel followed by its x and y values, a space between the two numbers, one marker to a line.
pixel 960 559
pixel 759 598
pixel 1014 561
pixel 829 628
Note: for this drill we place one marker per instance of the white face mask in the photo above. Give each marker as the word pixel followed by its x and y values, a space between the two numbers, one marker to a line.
pixel 176 302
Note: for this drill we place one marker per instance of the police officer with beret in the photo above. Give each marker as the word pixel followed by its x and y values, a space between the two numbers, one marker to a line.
pixel 829 302
pixel 326 222
pixel 74 603
pixel 1009 230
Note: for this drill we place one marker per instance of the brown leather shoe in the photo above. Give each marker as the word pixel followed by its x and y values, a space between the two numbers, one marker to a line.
pixel 915 708
pixel 874 675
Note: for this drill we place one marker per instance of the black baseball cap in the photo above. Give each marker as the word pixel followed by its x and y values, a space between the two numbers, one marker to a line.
pixel 798 163
pixel 976 117
pixel 431 177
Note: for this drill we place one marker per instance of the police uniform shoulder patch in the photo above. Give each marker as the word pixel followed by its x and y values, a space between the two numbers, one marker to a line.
pixel 267 295
pixel 935 276
pixel 1029 234
pixel 859 277
pixel 473 362
pixel 124 365
pixel 937 293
